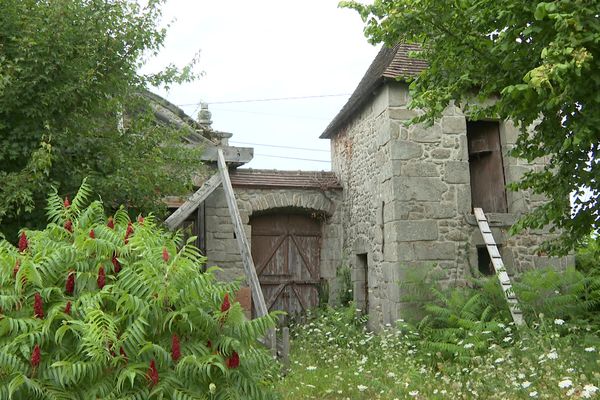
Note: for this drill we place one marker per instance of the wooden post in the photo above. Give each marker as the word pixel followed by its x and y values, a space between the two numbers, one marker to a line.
pixel 257 295
pixel 285 349
pixel 193 202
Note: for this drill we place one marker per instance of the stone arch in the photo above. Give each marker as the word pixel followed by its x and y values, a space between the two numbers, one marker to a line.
pixel 306 201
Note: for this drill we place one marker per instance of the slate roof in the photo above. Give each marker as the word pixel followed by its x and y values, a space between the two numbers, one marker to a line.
pixel 269 178
pixel 390 63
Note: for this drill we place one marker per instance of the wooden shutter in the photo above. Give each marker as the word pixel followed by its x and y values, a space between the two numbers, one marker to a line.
pixel 486 167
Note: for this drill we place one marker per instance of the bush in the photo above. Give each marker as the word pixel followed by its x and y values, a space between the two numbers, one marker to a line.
pixel 95 307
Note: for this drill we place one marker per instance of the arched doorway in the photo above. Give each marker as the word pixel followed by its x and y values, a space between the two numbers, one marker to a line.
pixel 286 249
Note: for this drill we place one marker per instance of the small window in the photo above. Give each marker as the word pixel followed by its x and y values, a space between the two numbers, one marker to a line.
pixel 361 293
pixel 484 262
pixel 486 167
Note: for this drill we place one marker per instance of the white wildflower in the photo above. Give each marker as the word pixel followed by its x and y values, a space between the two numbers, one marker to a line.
pixel 526 384
pixel 565 383
pixel 559 321
pixel 588 391
pixel 533 394
pixel 362 388
pixel 311 368
pixel 391 375
pixel 552 355
pixel 498 360
pixel 468 345
pixel 413 393
pixel 212 388
pixel 590 349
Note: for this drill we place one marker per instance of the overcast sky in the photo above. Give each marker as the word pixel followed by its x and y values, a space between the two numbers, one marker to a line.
pixel 265 49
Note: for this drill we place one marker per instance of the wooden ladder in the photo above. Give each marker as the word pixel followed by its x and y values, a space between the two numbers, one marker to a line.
pixel 490 244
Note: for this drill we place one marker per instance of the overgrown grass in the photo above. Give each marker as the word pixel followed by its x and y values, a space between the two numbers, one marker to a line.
pixel 334 357
pixel 465 348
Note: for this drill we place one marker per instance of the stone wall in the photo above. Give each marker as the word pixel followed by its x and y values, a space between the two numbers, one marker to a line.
pixel 222 248
pixel 407 201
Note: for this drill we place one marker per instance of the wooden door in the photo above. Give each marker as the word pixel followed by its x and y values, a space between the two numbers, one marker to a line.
pixel 486 167
pixel 286 249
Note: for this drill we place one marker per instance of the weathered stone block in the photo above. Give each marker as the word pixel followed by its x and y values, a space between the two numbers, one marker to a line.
pixel 423 168
pixel 398 251
pixel 463 198
pixel 454 124
pixel 417 188
pixel 396 210
pixel 405 150
pixel 441 154
pixel 425 134
pixel 435 250
pixel 409 231
pixel 439 210
pixel 397 94
pixel 402 114
pixel 509 133
pixel 463 148
pixel 456 172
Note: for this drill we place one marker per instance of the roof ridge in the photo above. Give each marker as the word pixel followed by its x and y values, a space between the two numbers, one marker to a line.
pixel 391 63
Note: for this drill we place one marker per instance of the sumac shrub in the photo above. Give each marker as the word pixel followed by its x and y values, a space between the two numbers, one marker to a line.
pixel 105 308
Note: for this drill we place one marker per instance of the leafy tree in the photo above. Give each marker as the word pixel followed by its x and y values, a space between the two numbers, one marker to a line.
pixel 68 76
pixel 103 308
pixel 540 61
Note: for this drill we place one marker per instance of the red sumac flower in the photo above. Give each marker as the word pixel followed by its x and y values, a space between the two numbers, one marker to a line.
pixel 165 255
pixel 226 305
pixel 101 277
pixel 23 243
pixel 140 220
pixel 68 308
pixel 38 306
pixel 92 234
pixel 67 203
pixel 153 373
pixel 36 356
pixel 111 223
pixel 116 263
pixel 68 226
pixel 233 361
pixel 70 284
pixel 128 232
pixel 175 348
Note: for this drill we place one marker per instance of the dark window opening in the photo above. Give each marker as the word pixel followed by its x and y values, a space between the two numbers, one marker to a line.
pixel 484 262
pixel 194 225
pixel 362 294
pixel 486 167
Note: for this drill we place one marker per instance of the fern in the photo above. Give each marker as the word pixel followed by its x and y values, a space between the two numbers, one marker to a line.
pixel 117 324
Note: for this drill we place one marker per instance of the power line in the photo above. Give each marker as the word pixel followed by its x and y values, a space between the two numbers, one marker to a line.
pixel 272 114
pixel 280 147
pixel 269 99
pixel 292 158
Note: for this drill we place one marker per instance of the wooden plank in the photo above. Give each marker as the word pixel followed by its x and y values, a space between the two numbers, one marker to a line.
pixel 257 294
pixel 285 349
pixel 236 155
pixel 193 202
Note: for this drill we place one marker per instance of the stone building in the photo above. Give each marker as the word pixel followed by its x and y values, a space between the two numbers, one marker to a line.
pixel 291 218
pixel 399 198
pixel 409 191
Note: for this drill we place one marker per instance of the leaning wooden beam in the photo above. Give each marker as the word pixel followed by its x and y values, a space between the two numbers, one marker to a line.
pixel 257 295
pixel 193 202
